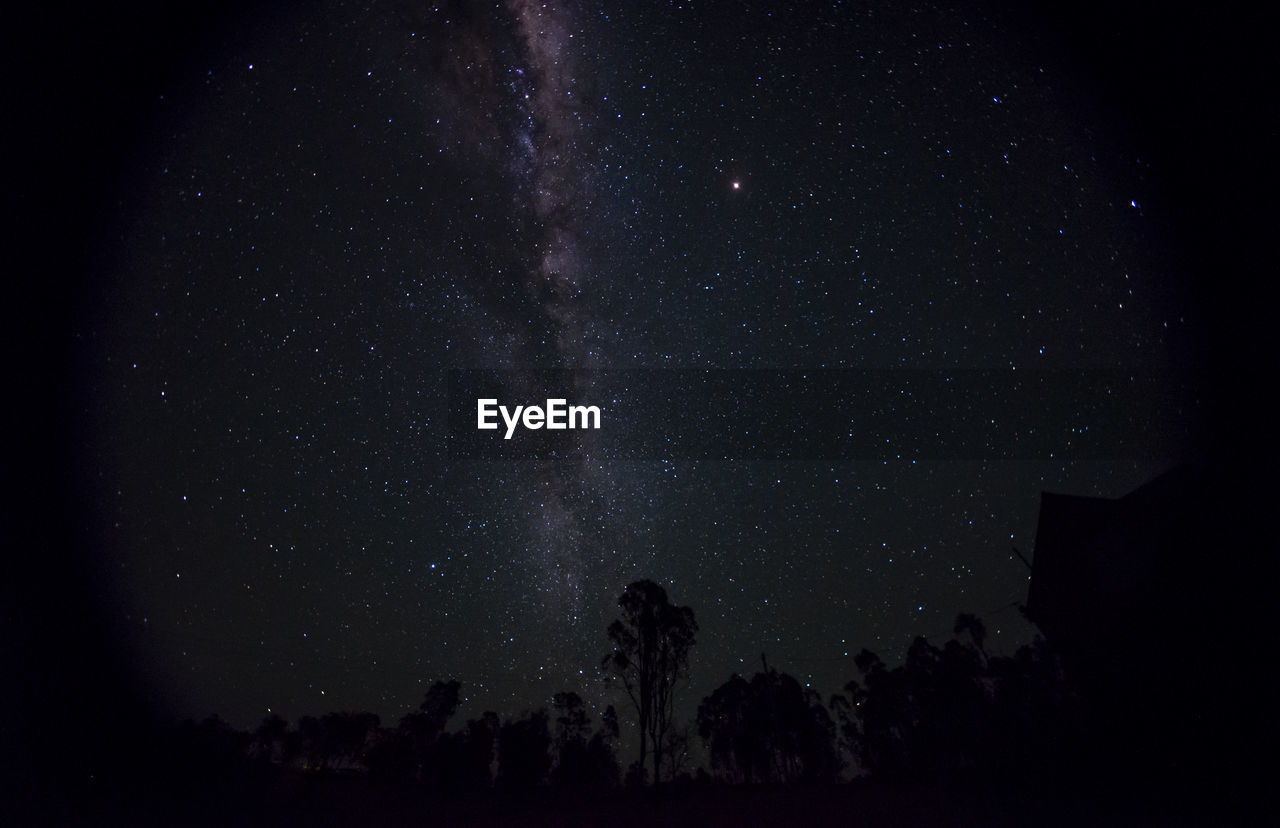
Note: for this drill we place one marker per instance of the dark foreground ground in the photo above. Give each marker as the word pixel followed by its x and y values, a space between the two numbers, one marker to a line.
pixel 337 801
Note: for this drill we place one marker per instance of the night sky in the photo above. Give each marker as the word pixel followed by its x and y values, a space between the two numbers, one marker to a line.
pixel 314 218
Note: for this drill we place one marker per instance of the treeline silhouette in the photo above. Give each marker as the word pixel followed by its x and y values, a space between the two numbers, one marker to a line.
pixel 952 714
pixel 513 756
pixel 946 715
pixel 948 718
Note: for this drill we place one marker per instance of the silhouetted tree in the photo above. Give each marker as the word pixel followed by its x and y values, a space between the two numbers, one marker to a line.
pixel 482 749
pixel 724 725
pixel 602 760
pixel 390 757
pixel 609 723
pixel 312 743
pixel 435 711
pixel 463 762
pixel 524 753
pixel 1042 738
pixel 971 625
pixel 584 760
pixel 336 740
pixel 676 752
pixel 409 752
pixel 602 755
pixel 573 728
pixel 769 729
pixel 651 643
pixel 271 741
pixel 572 722
pixel 956 713
pixel 348 735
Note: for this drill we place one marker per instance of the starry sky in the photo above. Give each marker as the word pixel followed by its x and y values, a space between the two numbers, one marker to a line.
pixel 318 220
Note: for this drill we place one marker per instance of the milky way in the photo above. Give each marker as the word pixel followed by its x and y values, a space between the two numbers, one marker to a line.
pixel 554 178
